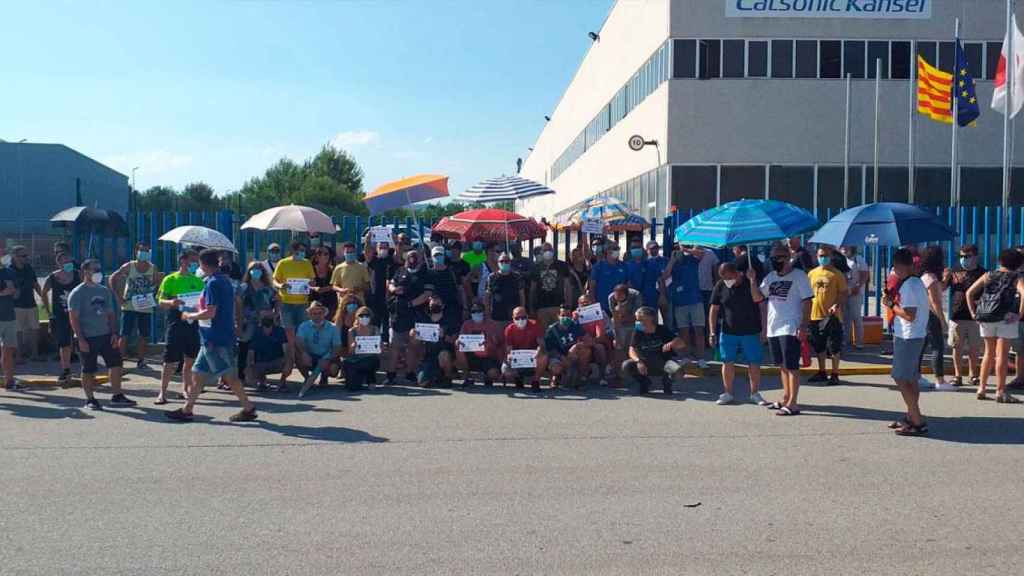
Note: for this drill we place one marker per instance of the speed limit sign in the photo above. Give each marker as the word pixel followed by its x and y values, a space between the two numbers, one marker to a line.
pixel 636 142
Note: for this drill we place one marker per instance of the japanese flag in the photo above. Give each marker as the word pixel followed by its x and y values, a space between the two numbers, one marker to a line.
pixel 999 95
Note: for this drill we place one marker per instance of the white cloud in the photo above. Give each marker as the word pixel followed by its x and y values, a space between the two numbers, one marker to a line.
pixel 151 163
pixel 355 138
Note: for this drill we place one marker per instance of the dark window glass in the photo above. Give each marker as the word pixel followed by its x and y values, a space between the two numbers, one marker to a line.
pixel 806 59
pixel 981 186
pixel 693 187
pixel 973 51
pixel 929 51
pixel 901 65
pixel 893 184
pixel 947 56
pixel 992 51
pixel 831 65
pixel 830 188
pixel 710 58
pixel 757 59
pixel 793 184
pixel 732 58
pixel 878 51
pixel 782 58
pixel 739 182
pixel 853 58
pixel 684 59
pixel 1017 193
pixel 931 186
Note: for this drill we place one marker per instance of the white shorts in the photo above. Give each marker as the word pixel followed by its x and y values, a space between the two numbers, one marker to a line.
pixel 1006 330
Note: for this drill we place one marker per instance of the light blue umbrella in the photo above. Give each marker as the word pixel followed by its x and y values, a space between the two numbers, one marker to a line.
pixel 746 222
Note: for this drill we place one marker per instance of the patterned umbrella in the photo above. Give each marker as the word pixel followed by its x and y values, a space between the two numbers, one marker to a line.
pixel 746 222
pixel 504 188
pixel 490 225
pixel 617 216
pixel 292 217
pixel 198 236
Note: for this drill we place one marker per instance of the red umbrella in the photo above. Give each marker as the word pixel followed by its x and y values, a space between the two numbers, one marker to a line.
pixel 490 225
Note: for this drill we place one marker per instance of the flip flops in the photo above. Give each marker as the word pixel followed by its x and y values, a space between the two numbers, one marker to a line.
pixel 1007 399
pixel 787 411
pixel 911 430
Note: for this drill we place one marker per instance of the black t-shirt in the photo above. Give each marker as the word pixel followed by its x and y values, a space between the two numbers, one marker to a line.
pixel 59 293
pixel 381 271
pixel 549 282
pixel 504 290
pixel 740 315
pixel 460 267
pixel 25 280
pixel 649 346
pixel 450 325
pixel 445 284
pixel 7 280
pixel 802 260
pixel 402 312
pixel 962 281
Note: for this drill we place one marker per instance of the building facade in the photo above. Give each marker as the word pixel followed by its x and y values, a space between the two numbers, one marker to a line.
pixel 39 180
pixel 747 99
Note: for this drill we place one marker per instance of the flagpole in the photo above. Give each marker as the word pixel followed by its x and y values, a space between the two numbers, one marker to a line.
pixel 910 123
pixel 953 176
pixel 1011 65
pixel 846 149
pixel 878 86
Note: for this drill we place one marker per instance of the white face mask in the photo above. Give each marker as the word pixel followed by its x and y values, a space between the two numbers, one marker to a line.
pixel 97 277
pixel 549 255
pixel 730 283
pixel 364 320
pixel 6 261
pixel 521 324
pixel 477 317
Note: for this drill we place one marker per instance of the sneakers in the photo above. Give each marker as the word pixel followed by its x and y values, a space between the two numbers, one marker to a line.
pixel 944 387
pixel 819 377
pixel 93 404
pixel 488 383
pixel 924 384
pixel 535 386
pixel 724 398
pixel 121 400
pixel 244 416
pixel 179 415
pixel 756 398
pixel 410 377
pixel 307 384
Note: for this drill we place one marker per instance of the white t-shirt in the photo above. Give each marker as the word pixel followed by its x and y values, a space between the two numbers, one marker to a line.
pixel 913 294
pixel 857 264
pixel 786 295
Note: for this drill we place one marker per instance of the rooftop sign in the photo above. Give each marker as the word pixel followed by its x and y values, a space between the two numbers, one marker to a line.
pixel 872 9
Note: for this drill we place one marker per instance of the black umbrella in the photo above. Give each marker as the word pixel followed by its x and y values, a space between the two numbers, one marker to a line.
pixel 92 219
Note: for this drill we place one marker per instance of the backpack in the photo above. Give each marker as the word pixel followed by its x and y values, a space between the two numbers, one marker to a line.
pixel 998 297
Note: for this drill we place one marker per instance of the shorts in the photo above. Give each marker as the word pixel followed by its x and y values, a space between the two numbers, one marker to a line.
pixel 182 342
pixel 9 334
pixel 479 364
pixel 689 315
pixel 624 336
pixel 906 359
pixel 27 319
pixel 214 362
pixel 965 333
pixel 1005 330
pixel 60 330
pixel 292 315
pixel 786 351
pixel 826 336
pixel 729 346
pixel 132 321
pixel 100 346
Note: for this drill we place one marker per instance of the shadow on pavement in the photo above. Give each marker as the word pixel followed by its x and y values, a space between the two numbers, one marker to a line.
pixel 318 433
pixel 963 429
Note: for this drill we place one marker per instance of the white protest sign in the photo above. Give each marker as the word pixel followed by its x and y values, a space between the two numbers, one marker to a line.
pixel 367 344
pixel 592 313
pixel 190 301
pixel 297 286
pixel 381 235
pixel 142 302
pixel 593 226
pixel 428 332
pixel 522 359
pixel 471 343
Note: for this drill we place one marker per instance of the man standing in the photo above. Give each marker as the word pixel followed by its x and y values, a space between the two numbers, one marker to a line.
pixel 351 276
pixel 683 279
pixel 444 283
pixel 381 264
pixel 909 329
pixel 607 273
pixel 8 326
pixel 216 358
pixel 292 279
pixel 56 289
pixel 857 280
pixel 830 294
pixel 789 297
pixel 504 291
pixel 25 310
pixel 549 287
pixel 93 315
pixel 408 297
pixel 707 275
pixel 737 300
pixel 177 291
pixel 134 284
pixel 802 259
pixel 651 289
pixel 635 264
pixel 964 331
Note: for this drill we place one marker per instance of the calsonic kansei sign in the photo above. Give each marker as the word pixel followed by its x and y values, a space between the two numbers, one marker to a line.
pixel 874 9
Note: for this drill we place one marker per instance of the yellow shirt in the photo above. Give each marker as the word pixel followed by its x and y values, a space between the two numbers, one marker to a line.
pixel 353 276
pixel 291 269
pixel 826 283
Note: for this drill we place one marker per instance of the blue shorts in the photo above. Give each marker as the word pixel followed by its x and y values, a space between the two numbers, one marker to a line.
pixel 132 321
pixel 729 346
pixel 292 315
pixel 214 361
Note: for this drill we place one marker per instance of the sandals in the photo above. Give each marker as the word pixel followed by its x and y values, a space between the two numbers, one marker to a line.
pixel 901 423
pixel 981 396
pixel 774 405
pixel 1007 399
pixel 787 411
pixel 160 401
pixel 911 430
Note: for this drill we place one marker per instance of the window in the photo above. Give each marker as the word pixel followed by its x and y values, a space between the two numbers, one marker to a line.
pixel 853 59
pixel 1017 192
pixel 878 51
pixel 732 58
pixel 893 183
pixel 973 51
pixel 901 65
pixel 929 51
pixel 793 184
pixel 806 59
pixel 739 182
pixel 992 52
pixel 830 188
pixel 757 59
pixel 831 65
pixel 931 186
pixel 684 59
pixel 694 187
pixel 782 58
pixel 981 186
pixel 710 59
pixel 947 56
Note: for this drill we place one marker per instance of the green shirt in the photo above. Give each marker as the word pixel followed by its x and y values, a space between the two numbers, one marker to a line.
pixel 176 285
pixel 473 259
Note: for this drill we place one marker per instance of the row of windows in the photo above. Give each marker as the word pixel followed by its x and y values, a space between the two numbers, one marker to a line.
pixel 823 58
pixel 653 72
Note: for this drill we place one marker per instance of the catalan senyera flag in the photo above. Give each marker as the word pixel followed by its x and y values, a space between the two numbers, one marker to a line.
pixel 934 92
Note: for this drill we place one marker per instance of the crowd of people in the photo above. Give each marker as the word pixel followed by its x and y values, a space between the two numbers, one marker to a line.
pixel 432 315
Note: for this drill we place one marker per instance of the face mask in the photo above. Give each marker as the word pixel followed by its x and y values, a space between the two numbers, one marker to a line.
pixel 599 250
pixel 639 326
pixel 505 267
pixel 478 317
pixel 436 309
pixel 413 266
pixel 521 323
pixel 778 264
pixel 364 320
pixel 824 260
pixel 97 277
pixel 448 254
pixel 967 263
pixel 6 261
pixel 351 308
pixel 193 267
pixel 566 321
pixel 548 255
pixel 274 256
pixel 636 252
pixel 439 259
pixel 614 254
pixel 314 241
pixel 300 255
pixel 729 283
pixel 350 256
pixel 69 267
pixel 143 256
pixel 478 246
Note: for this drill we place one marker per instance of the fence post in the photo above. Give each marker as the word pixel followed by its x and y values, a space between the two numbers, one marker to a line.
pixel 999 229
pixel 986 237
pixel 974 225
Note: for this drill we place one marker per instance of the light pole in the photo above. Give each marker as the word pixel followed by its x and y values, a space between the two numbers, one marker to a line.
pixel 131 195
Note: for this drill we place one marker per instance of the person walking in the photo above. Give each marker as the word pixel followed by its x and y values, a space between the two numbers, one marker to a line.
pixel 134 284
pixel 910 327
pixel 179 291
pixel 56 289
pixel 93 315
pixel 933 266
pixel 737 300
pixel 964 331
pixel 789 295
pixel 216 358
pixel 830 295
pixel 998 310
pixel 857 280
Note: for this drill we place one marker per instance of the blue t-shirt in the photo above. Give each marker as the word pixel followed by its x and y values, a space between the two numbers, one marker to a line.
pixel 606 277
pixel 219 330
pixel 685 286
pixel 268 347
pixel 319 341
pixel 635 273
pixel 653 269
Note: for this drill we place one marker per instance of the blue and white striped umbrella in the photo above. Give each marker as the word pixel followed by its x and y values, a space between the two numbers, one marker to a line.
pixel 746 222
pixel 504 188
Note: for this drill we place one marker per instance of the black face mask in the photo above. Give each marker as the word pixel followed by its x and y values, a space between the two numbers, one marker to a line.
pixel 436 309
pixel 267 322
pixel 778 264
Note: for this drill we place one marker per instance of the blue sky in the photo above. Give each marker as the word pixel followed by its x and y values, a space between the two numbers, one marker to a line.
pixel 218 91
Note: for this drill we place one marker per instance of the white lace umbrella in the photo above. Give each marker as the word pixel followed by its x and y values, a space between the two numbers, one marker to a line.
pixel 199 236
pixel 293 218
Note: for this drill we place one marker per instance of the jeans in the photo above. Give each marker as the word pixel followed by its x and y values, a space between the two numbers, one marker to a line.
pixel 359 369
pixel 854 316
pixel 933 340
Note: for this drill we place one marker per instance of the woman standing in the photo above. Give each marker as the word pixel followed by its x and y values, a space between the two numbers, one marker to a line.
pixel 998 311
pixel 56 287
pixel 258 300
pixel 579 273
pixel 932 265
pixel 320 288
pixel 359 369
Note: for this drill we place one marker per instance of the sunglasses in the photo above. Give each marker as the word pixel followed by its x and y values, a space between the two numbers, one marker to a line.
pixel 520 318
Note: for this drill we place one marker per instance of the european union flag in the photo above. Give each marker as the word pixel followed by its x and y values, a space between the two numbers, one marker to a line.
pixel 966 99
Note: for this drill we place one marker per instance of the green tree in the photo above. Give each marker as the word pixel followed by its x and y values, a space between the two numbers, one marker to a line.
pixel 331 181
pixel 199 196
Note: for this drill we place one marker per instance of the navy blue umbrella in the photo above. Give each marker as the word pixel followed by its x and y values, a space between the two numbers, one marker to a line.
pixel 883 224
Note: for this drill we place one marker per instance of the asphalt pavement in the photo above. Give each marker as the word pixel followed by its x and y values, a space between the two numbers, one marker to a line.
pixel 410 481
